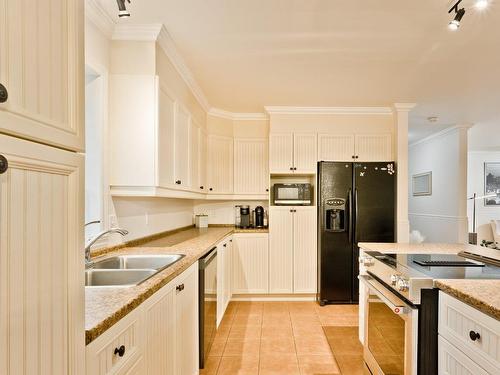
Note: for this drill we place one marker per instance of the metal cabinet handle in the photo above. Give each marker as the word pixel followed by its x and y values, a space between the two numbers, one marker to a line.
pixel 474 335
pixel 120 351
pixel 4 94
pixel 4 164
pixel 179 288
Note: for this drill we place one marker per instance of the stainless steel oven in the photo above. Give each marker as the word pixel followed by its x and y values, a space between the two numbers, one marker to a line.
pixel 207 280
pixel 391 330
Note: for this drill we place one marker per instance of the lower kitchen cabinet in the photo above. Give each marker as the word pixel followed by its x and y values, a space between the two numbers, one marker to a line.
pixel 158 337
pixel 224 276
pixel 469 340
pixel 250 263
pixel 292 250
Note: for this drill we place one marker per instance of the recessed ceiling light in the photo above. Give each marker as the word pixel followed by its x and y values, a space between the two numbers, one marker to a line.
pixel 481 4
pixel 122 9
pixel 432 119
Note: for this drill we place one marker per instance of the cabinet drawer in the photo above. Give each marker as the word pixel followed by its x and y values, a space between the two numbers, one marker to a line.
pixel 118 349
pixel 458 321
pixel 453 362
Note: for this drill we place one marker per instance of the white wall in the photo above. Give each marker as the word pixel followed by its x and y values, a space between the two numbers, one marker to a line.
pixel 440 217
pixel 475 184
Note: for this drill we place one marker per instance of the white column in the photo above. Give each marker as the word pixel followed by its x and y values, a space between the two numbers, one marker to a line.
pixel 401 111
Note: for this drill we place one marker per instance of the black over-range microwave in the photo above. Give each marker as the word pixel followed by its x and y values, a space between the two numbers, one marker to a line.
pixel 292 195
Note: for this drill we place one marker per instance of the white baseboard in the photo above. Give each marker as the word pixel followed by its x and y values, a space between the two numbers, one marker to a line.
pixel 274 297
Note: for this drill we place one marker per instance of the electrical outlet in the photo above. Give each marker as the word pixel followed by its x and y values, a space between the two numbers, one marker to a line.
pixel 113 221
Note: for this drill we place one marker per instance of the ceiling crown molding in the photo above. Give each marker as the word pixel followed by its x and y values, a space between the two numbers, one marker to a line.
pixel 403 107
pixel 237 116
pixel 441 133
pixel 96 14
pixel 283 110
pixel 135 32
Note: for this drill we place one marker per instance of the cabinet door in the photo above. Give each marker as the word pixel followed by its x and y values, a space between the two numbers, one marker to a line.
pixel 186 320
pixel 220 164
pixel 304 250
pixel 160 327
pixel 166 134
pixel 281 153
pixel 251 163
pixel 194 157
pixel 202 161
pixel 182 138
pixel 280 250
pixel 221 280
pixel 332 147
pixel 374 147
pixel 305 153
pixel 228 273
pixel 451 361
pixel 41 260
pixel 42 67
pixel 250 263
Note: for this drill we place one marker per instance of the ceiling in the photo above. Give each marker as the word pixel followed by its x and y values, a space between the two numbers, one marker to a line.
pixel 249 54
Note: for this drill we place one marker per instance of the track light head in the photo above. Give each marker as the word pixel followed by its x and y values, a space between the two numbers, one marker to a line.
pixel 459 14
pixel 122 9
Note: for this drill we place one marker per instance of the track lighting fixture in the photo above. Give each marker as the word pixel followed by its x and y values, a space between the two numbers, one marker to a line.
pixel 122 9
pixel 459 13
pixel 481 4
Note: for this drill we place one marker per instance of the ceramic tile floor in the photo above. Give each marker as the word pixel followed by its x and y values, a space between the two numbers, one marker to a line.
pixel 286 338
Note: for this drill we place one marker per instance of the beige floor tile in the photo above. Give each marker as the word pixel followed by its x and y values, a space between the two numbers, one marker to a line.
pixel 276 321
pixel 247 320
pixel 318 364
pixel 337 309
pixel 312 345
pixel 308 330
pixel 217 347
pixel 277 345
pixel 245 332
pixel 351 364
pixel 211 365
pixel 340 320
pixel 278 364
pixel 242 347
pixel 246 365
pixel 270 332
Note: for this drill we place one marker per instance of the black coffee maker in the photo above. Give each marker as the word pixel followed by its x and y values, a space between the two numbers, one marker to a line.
pixel 259 217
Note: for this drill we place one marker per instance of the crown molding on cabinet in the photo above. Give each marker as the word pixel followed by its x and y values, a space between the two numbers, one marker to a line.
pixel 236 116
pixel 285 110
pixel 96 14
pixel 403 107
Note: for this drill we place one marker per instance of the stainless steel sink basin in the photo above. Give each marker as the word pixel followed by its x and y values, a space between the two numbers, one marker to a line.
pixel 136 262
pixel 100 277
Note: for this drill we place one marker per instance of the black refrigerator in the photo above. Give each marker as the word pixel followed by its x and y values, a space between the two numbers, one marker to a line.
pixel 356 203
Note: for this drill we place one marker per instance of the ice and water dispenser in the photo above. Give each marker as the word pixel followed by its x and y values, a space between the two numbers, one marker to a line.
pixel 335 215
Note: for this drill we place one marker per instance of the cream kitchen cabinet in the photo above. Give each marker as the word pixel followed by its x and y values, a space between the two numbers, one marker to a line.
pixel 220 164
pixel 332 147
pixel 42 70
pixel 158 337
pixel 292 250
pixel 373 147
pixel 202 160
pixel 194 156
pixel 292 153
pixel 359 147
pixel 41 259
pixel 224 276
pixel 250 263
pixel 251 165
pixel 182 147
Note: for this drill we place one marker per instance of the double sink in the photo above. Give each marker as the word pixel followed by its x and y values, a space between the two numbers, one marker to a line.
pixel 127 270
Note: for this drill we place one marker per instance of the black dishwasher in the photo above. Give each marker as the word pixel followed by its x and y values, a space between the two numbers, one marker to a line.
pixel 207 302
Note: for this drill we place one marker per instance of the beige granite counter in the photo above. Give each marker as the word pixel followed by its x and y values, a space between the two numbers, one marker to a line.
pixel 251 230
pixel 106 306
pixel 483 295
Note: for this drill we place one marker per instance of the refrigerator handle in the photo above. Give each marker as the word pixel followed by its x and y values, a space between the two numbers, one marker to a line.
pixel 355 216
pixel 349 222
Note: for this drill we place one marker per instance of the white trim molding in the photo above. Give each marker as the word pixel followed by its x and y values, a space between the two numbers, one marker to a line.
pixel 216 112
pixel 403 107
pixel 286 110
pixel 96 14
pixel 137 32
pixel 440 133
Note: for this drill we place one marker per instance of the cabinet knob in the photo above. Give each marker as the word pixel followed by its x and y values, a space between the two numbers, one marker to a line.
pixel 210 189
pixel 179 288
pixel 291 168
pixel 120 351
pixel 4 164
pixel 294 168
pixel 474 335
pixel 225 245
pixel 202 187
pixel 267 190
pixel 178 182
pixel 354 157
pixel 4 95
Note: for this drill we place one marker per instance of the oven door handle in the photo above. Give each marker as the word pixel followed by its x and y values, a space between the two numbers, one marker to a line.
pixel 396 305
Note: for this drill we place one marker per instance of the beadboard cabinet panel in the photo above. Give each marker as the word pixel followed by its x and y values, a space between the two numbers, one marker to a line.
pixel 202 160
pixel 251 175
pixel 41 66
pixel 220 164
pixel 332 147
pixel 373 147
pixel 194 161
pixel 452 361
pixel 305 152
pixel 166 131
pixel 281 153
pixel 250 263
pixel 181 146
pixel 304 250
pixel 281 250
pixel 41 260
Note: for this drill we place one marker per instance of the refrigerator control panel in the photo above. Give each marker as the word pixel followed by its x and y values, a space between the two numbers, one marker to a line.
pixel 335 215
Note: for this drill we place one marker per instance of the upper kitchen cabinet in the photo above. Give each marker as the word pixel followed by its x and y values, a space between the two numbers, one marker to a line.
pixel 202 160
pixel 41 71
pixel 251 176
pixel 359 147
pixel 220 165
pixel 292 153
pixel 182 147
pixel 332 147
pixel 373 147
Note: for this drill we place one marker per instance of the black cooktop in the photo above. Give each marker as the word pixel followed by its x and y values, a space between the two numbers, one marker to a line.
pixel 441 266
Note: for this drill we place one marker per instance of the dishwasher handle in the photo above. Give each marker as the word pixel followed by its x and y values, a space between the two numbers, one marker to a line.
pixel 207 259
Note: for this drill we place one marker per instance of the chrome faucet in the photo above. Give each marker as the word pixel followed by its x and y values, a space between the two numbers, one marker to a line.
pixel 88 261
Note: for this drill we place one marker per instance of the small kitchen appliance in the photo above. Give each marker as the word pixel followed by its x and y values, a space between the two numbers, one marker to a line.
pixel 245 217
pixel 292 195
pixel 259 217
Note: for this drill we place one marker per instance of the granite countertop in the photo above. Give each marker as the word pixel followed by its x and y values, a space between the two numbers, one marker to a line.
pixel 251 230
pixel 107 305
pixel 481 294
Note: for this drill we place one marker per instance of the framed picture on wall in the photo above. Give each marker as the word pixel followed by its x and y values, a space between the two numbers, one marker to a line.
pixel 492 183
pixel 422 184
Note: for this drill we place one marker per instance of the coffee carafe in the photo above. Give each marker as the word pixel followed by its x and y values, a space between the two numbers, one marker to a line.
pixel 259 217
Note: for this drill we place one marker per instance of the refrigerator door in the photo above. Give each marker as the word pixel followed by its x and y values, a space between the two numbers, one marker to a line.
pixel 374 208
pixel 335 232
